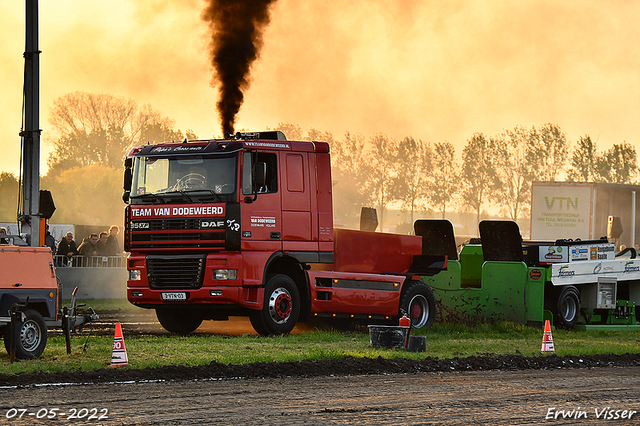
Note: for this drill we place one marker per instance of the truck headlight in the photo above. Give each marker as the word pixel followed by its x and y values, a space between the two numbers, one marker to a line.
pixel 225 274
pixel 134 275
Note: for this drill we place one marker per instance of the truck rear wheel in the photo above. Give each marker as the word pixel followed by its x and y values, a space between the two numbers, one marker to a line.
pixel 280 309
pixel 178 321
pixel 32 336
pixel 419 303
pixel 567 307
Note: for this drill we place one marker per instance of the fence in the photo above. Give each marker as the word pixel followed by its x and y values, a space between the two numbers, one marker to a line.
pixel 90 261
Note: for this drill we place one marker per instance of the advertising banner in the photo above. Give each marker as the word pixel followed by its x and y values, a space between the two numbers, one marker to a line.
pixel 560 211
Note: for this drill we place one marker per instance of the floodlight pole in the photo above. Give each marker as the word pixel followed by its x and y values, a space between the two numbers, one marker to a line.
pixel 30 217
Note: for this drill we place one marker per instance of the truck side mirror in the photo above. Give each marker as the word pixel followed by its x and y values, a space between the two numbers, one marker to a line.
pixel 259 180
pixel 128 179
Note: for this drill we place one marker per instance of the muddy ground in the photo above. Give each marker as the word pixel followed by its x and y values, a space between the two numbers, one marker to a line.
pixel 475 390
pixel 494 397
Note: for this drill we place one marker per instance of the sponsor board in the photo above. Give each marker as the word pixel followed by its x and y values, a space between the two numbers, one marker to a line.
pixel 535 274
pixel 553 254
pixel 589 271
pixel 604 251
pixel 560 211
pixel 564 254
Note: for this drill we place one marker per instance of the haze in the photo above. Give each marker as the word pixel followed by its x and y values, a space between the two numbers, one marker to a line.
pixel 435 70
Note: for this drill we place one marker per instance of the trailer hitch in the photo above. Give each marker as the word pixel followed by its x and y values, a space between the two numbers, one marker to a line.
pixel 70 319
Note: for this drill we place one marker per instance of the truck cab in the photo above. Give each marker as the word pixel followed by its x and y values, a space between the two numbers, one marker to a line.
pixel 244 226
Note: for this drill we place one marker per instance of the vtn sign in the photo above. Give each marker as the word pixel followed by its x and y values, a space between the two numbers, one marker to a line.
pixel 563 203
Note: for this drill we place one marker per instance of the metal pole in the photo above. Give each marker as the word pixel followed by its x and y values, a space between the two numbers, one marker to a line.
pixel 593 212
pixel 31 132
pixel 633 218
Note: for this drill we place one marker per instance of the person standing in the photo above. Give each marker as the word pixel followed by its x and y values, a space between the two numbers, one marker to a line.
pixel 112 241
pixel 49 241
pixel 89 247
pixel 66 248
pixel 103 246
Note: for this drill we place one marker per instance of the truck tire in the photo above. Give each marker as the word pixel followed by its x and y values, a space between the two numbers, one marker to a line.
pixel 566 311
pixel 280 309
pixel 419 303
pixel 178 321
pixel 32 336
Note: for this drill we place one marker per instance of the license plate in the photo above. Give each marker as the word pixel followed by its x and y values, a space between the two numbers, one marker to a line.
pixel 174 296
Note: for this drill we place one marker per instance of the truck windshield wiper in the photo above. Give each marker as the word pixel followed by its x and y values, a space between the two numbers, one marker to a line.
pixel 216 197
pixel 185 195
pixel 151 195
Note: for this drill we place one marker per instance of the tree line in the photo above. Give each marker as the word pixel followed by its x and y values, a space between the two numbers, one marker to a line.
pixel 91 134
pixel 420 176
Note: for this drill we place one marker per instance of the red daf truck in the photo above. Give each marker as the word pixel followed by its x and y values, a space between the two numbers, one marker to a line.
pixel 244 226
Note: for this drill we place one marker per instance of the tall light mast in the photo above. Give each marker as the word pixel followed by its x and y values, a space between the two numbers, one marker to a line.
pixel 29 216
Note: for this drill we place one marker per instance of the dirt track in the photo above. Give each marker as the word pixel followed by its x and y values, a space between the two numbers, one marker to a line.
pixel 517 390
pixel 454 398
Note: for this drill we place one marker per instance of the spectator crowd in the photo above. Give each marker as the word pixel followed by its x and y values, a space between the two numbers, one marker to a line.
pixel 95 245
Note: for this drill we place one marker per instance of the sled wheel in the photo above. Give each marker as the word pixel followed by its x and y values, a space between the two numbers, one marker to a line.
pixel 567 307
pixel 419 303
pixel 280 309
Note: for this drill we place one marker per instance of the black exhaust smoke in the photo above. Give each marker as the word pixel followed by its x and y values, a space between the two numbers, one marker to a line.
pixel 236 38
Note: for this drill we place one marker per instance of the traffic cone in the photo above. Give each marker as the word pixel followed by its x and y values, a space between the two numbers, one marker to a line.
pixel 119 354
pixel 547 339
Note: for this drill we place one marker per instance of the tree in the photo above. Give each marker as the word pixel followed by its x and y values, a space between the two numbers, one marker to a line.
pixel 88 195
pixel 99 129
pixel 445 176
pixel 190 135
pixel 9 197
pixel 548 150
pixel 479 176
pixel 411 185
pixel 293 132
pixel 582 166
pixel 618 164
pixel 380 172
pixel 314 135
pixel 514 171
pixel 348 171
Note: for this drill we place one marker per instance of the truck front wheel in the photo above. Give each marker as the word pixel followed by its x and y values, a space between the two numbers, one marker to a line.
pixel 280 309
pixel 32 336
pixel 178 321
pixel 419 303
pixel 567 307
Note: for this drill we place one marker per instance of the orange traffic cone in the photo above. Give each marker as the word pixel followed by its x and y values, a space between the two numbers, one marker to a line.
pixel 547 339
pixel 119 354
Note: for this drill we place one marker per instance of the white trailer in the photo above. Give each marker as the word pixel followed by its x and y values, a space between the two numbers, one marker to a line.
pixel 582 210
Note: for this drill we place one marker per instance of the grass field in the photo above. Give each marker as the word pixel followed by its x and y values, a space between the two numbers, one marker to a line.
pixel 443 341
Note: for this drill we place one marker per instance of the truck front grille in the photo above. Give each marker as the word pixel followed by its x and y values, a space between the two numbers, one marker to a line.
pixel 181 271
pixel 185 234
pixel 175 233
pixel 173 224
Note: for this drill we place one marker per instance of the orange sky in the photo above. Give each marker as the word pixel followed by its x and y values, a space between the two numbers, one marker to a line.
pixel 435 70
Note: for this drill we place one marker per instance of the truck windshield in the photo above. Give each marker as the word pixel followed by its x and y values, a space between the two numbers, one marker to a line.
pixel 213 175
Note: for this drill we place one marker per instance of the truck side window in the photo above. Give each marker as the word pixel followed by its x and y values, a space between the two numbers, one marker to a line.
pixel 271 161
